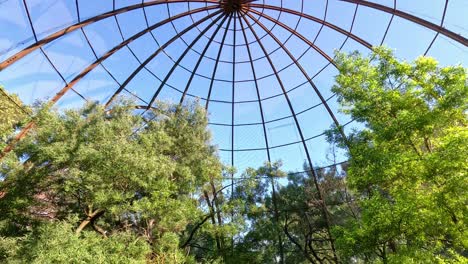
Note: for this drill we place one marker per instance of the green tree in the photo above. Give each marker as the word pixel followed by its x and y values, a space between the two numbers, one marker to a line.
pixel 210 239
pixel 238 226
pixel 12 114
pixel 124 177
pixel 253 204
pixel 409 164
pixel 57 243
pixel 301 211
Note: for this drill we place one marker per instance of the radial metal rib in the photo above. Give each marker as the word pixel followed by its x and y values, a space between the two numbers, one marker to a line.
pixel 38 44
pixel 450 34
pixel 296 121
pixel 151 57
pixel 176 64
pixel 303 71
pixel 201 58
pixel 315 19
pixel 216 65
pixel 249 53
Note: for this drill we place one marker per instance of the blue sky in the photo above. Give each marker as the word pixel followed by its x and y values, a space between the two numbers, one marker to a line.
pixel 33 78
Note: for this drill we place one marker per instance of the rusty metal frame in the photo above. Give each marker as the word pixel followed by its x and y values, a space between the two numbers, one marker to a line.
pixel 201 58
pixel 299 66
pixel 315 19
pixel 296 121
pixel 88 69
pixel 40 43
pixel 220 60
pixel 228 44
pixel 439 29
pixel 176 64
pixel 151 57
pixel 250 7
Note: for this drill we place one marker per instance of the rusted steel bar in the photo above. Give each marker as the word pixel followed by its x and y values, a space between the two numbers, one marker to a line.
pixel 315 19
pixel 38 44
pixel 168 75
pixel 303 71
pixel 201 58
pixel 151 57
pixel 450 34
pixel 88 69
pixel 296 121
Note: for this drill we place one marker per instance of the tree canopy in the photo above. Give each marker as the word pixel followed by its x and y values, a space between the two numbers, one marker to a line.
pixel 409 165
pixel 12 114
pixel 111 173
pixel 97 185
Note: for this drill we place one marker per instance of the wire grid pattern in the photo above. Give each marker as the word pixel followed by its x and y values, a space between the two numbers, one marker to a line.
pixel 263 69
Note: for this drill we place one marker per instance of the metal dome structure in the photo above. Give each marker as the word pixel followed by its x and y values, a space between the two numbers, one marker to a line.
pixel 262 68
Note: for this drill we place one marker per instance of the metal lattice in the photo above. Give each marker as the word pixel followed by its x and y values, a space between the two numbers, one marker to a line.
pixel 263 69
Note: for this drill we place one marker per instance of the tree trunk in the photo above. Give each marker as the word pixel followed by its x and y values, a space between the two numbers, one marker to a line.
pixel 213 221
pixel 276 217
pixel 91 217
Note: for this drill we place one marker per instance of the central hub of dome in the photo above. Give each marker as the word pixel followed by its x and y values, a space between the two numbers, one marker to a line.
pixel 230 6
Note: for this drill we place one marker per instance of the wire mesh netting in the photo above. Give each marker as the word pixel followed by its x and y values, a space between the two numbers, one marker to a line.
pixel 263 69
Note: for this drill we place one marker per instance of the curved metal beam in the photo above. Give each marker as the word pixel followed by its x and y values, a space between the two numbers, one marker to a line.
pixel 38 44
pixel 88 69
pixel 315 19
pixel 201 58
pixel 249 53
pixel 151 57
pixel 296 121
pixel 303 71
pixel 441 24
pixel 189 47
pixel 215 68
pixel 439 29
pixel 280 240
pixel 292 31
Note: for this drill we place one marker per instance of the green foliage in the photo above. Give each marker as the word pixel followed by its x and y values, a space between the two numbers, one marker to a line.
pixel 58 243
pixel 118 173
pixel 97 186
pixel 408 166
pixel 12 114
pixel 257 216
pixel 271 222
pixel 303 221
